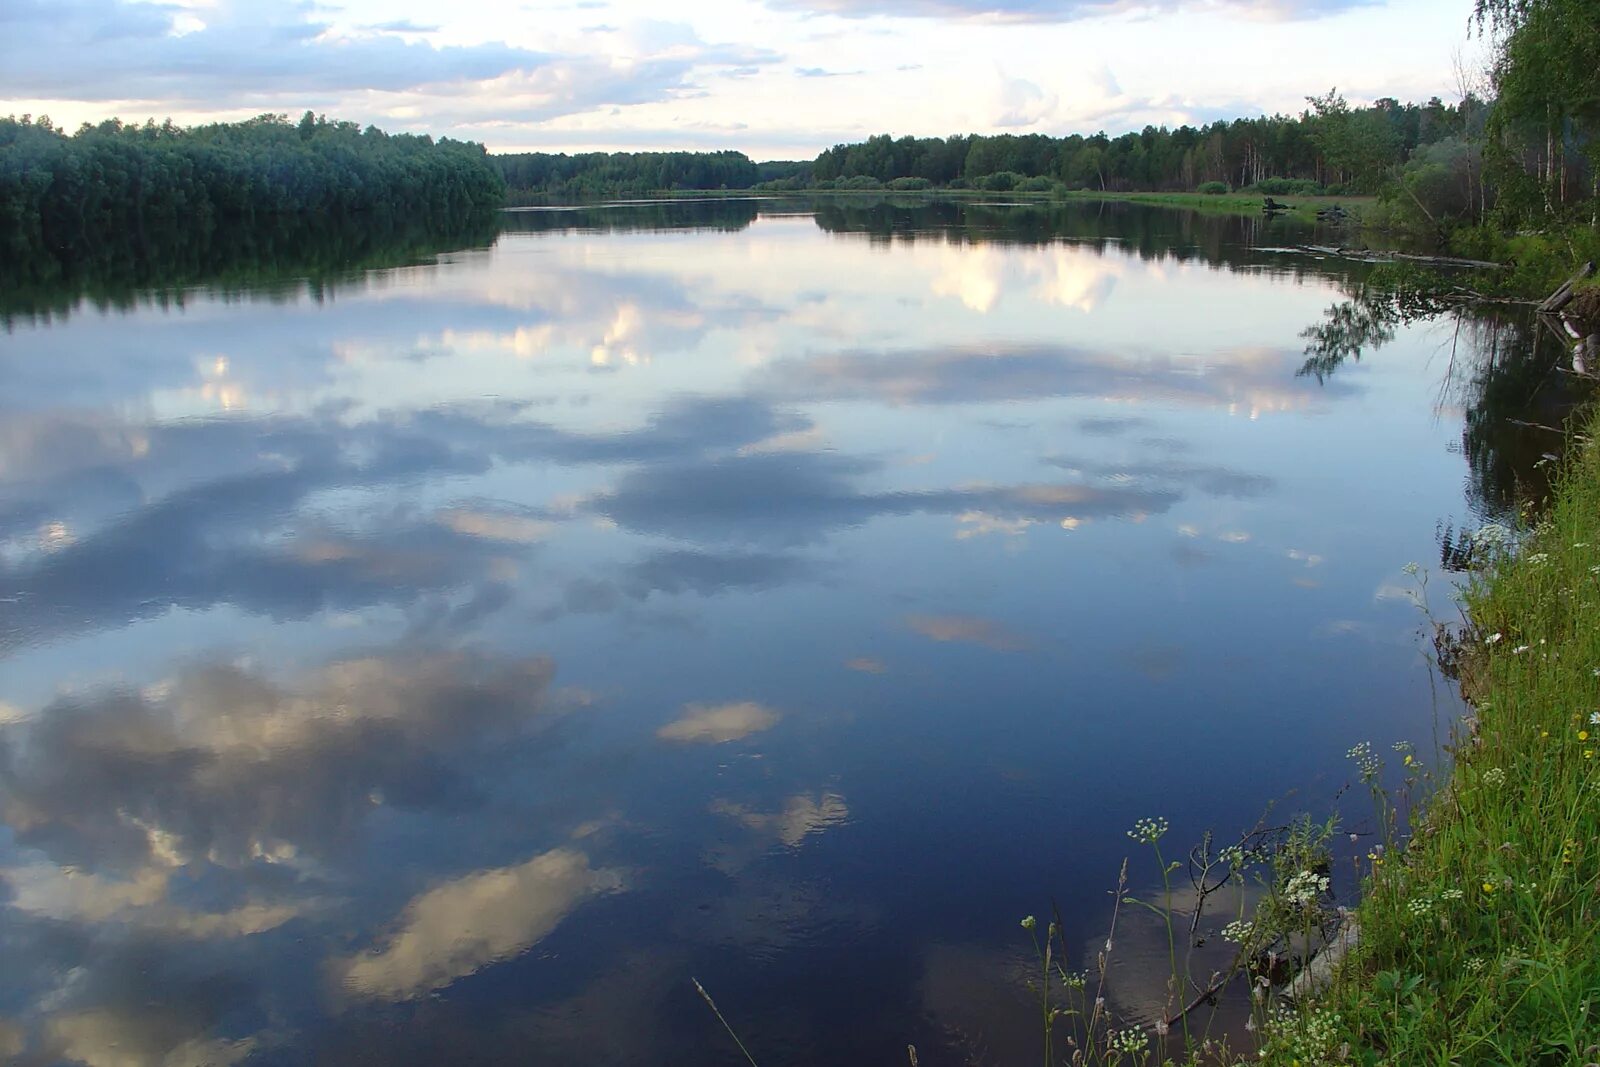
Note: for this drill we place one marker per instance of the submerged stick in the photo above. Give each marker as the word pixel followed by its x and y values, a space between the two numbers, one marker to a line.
pixel 713 1006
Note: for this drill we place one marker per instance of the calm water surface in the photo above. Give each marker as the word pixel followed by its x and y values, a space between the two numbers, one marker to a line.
pixel 443 664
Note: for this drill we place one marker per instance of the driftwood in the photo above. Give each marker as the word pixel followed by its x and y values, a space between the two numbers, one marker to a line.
pixel 1318 972
pixel 1363 255
pixel 1563 295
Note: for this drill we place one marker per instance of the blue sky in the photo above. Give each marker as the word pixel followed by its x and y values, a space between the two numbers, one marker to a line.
pixel 777 79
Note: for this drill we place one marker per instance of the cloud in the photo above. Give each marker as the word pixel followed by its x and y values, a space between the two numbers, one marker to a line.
pixel 466 924
pixel 120 50
pixel 791 498
pixel 242 54
pixel 820 72
pixel 1255 380
pixel 401 26
pixel 138 1038
pixel 233 532
pixel 708 573
pixel 1020 102
pixel 68 894
pixel 801 816
pixel 1209 479
pixel 1026 11
pixel 968 629
pixel 222 766
pixel 866 665
pixel 720 723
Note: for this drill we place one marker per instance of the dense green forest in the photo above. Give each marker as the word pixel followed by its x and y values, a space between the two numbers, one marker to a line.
pixel 67 198
pixel 615 173
pixel 1329 146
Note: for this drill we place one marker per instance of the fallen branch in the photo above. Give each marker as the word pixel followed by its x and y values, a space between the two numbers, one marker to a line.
pixel 1363 255
pixel 1567 290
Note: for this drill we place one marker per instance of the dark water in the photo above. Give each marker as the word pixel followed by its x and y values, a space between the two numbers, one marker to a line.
pixel 443 663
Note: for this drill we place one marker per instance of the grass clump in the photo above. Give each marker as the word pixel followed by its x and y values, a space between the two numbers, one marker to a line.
pixel 1480 934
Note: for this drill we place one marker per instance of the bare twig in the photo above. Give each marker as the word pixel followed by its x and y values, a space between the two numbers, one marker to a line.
pixel 713 1006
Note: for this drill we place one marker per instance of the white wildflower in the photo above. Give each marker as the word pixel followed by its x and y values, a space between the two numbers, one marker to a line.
pixel 1148 831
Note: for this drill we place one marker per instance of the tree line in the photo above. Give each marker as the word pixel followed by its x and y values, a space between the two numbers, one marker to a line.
pixel 1330 146
pixel 67 194
pixel 620 173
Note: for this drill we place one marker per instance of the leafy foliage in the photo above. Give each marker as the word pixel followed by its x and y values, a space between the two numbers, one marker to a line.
pixel 70 194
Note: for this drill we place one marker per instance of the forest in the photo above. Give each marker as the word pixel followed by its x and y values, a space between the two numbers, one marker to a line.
pixel 1510 171
pixel 624 173
pixel 1331 146
pixel 63 196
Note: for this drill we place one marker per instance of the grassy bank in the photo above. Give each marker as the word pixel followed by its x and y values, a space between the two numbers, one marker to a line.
pixel 1480 936
pixel 1236 203
pixel 1305 207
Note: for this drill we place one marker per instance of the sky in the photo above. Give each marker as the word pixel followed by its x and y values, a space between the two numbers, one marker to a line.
pixel 778 79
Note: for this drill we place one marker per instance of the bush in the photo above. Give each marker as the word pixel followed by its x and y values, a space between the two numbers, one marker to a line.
pixel 861 181
pixel 1287 187
pixel 1039 184
pixel 1001 181
pixel 911 185
pixel 1212 188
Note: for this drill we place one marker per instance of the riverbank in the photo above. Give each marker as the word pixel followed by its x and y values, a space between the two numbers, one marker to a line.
pixel 1478 933
pixel 1303 207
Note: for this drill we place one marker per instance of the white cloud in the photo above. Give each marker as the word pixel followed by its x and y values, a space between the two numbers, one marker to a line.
pixel 462 926
pixel 719 723
pixel 801 816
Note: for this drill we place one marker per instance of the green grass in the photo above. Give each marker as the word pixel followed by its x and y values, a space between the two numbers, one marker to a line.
pixel 1227 203
pixel 1479 917
pixel 1235 203
pixel 1481 934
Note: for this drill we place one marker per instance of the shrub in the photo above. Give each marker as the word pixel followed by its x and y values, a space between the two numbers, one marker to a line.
pixel 1212 188
pixel 1287 187
pixel 910 184
pixel 1001 181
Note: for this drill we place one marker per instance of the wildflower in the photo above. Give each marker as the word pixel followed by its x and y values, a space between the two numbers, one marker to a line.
pixel 1539 557
pixel 1410 760
pixel 1148 831
pixel 1494 638
pixel 1411 569
pixel 1238 931
pixel 1494 776
pixel 1420 906
pixel 1362 754
pixel 1492 533
pixel 1304 888
pixel 1520 649
pixel 1583 735
pixel 1594 718
pixel 1029 923
pixel 1131 1041
pixel 1488 887
pixel 1543 734
pixel 1588 753
pixel 1453 893
pixel 1476 964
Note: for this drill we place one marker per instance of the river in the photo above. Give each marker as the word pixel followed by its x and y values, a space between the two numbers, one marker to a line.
pixel 444 662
